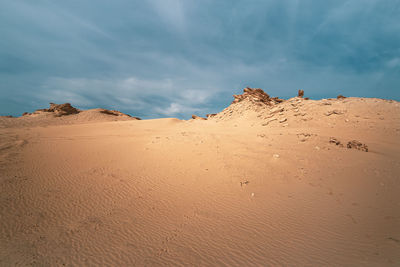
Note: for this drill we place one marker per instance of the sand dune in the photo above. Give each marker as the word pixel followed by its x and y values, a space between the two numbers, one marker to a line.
pixel 264 182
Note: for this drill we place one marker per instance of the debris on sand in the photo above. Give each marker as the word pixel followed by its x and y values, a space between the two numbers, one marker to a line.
pixel 195 117
pixel 300 93
pixel 244 183
pixel 335 141
pixel 357 145
pixel 335 111
pixel 303 136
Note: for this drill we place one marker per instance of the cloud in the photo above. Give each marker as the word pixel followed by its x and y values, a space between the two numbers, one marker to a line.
pixel 394 62
pixel 155 58
pixel 132 95
pixel 171 12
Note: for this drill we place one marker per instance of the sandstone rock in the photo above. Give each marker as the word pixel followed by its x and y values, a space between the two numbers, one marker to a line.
pixel 257 96
pixel 62 109
pixel 211 115
pixel 116 113
pixel 195 117
pixel 59 110
pixel 357 145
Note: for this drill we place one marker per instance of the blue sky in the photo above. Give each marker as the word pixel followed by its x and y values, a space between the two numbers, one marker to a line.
pixel 174 58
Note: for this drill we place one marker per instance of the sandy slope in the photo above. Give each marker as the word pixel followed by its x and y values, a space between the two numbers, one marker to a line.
pixel 168 192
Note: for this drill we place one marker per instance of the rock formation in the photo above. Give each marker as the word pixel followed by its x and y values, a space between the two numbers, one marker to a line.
pixel 195 117
pixel 257 96
pixel 116 113
pixel 211 115
pixel 58 110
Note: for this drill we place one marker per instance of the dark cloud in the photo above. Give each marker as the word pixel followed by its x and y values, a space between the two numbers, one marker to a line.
pixel 160 58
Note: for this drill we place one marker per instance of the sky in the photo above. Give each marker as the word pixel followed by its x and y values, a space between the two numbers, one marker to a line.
pixel 175 58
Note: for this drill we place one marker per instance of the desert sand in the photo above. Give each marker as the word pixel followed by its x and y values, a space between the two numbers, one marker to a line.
pixel 265 182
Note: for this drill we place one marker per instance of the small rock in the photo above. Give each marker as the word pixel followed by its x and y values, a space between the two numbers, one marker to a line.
pixel 340 97
pixel 317 148
pixel 252 194
pixel 276 156
pixel 244 183
pixel 357 145
pixel 282 120
pixel 335 141
pixel 300 93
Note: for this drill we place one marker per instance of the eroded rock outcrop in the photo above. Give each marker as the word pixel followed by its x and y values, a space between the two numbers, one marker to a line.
pixel 58 110
pixel 117 113
pixel 195 117
pixel 257 96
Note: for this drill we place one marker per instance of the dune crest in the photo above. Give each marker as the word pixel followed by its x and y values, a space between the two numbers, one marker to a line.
pixel 265 182
pixel 59 114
